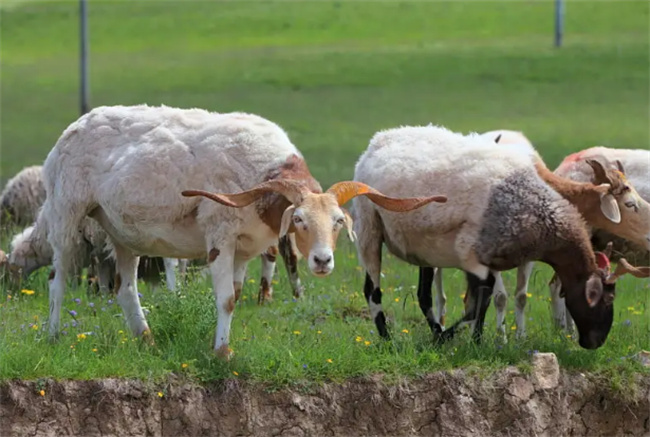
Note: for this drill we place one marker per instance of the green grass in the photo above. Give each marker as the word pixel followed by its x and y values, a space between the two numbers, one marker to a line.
pixel 332 74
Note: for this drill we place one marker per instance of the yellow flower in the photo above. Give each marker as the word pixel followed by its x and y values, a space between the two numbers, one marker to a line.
pixel 42 392
pixel 160 394
pixel 514 328
pixel 72 346
pixel 397 299
pixel 358 339
pixel 462 296
pixel 275 282
pixel 34 327
pixel 8 296
pixel 405 331
pixel 630 308
pixel 81 336
pixel 296 332
pixel 27 292
pixel 319 332
pixel 184 365
pixel 367 343
pixel 329 360
pixel 568 336
pixel 35 318
pixel 636 313
pixel 120 332
pixel 358 268
pixel 251 281
pixel 529 294
pixel 95 349
pixel 235 373
pixel 244 297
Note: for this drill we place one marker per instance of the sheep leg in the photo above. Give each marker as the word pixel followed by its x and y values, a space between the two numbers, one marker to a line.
pixel 523 276
pixel 441 297
pixel 290 259
pixel 63 255
pixel 478 301
pixel 371 288
pixel 558 307
pixel 238 278
pixel 268 267
pixel 222 267
pixel 501 304
pixel 170 272
pixel 105 275
pixel 126 264
pixel 425 281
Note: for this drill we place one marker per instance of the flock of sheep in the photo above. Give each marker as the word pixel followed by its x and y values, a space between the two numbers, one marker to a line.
pixel 125 182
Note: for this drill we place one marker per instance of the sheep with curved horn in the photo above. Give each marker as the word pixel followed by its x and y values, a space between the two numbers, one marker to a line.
pixel 126 166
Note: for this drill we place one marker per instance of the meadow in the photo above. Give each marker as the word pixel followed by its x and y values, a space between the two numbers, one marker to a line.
pixel 332 74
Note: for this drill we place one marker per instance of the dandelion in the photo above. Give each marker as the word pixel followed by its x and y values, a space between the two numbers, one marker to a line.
pixel 329 360
pixel 235 373
pixel 514 328
pixel 358 339
pixel 405 331
pixel 35 327
pixel 27 292
pixel 636 313
pixel 251 281
pixel 319 332
pixel 42 392
pixel 94 349
pixel 397 299
pixel 184 365
pixel 367 343
pixel 120 332
pixel 73 313
pixel 160 394
pixel 275 282
pixel 81 336
pixel 296 332
pixel 529 294
pixel 630 308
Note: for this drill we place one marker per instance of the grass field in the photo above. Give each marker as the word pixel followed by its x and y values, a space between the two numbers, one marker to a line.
pixel 332 74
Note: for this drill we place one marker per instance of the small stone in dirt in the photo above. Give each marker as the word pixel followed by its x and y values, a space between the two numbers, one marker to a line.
pixel 644 358
pixel 521 388
pixel 546 371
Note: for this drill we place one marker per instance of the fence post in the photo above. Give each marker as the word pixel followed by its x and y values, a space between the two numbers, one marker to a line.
pixel 83 59
pixel 559 22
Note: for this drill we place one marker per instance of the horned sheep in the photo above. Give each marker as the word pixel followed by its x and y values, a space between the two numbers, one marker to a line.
pixel 606 202
pixel 151 177
pixel 500 215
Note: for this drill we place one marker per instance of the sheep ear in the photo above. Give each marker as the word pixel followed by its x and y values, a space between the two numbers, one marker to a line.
pixel 594 291
pixel 348 225
pixel 286 222
pixel 609 207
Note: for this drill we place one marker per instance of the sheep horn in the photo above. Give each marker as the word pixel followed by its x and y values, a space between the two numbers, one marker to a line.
pixel 347 190
pixel 601 176
pixel 624 267
pixel 292 190
pixel 496 140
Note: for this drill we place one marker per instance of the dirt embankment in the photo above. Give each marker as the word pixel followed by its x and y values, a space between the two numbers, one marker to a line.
pixel 546 403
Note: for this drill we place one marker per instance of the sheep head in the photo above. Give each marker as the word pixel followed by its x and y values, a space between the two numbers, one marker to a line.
pixel 316 218
pixel 627 214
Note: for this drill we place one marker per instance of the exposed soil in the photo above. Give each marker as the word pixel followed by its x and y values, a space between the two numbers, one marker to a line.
pixel 450 404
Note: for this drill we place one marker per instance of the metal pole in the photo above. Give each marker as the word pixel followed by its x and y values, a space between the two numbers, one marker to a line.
pixel 83 35
pixel 559 22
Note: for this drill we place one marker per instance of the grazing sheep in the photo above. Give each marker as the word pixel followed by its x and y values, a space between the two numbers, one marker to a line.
pixel 636 163
pixel 22 197
pixel 127 166
pixel 500 215
pixel 615 207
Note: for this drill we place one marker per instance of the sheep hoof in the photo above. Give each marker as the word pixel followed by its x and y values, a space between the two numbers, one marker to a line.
pixel 442 322
pixel 147 337
pixel 265 295
pixel 224 352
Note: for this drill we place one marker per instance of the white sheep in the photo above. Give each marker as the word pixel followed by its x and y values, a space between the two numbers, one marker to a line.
pixel 615 207
pixel 127 166
pixel 22 197
pixel 500 214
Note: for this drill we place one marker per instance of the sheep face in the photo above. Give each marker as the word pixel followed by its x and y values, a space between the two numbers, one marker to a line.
pixel 627 213
pixel 317 222
pixel 592 309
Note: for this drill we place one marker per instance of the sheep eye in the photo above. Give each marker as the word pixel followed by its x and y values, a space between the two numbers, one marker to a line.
pixel 296 219
pixel 340 221
pixel 631 204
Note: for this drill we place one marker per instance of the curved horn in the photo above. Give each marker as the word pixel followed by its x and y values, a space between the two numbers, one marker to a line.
pixel 347 190
pixel 496 140
pixel 600 173
pixel 624 267
pixel 292 190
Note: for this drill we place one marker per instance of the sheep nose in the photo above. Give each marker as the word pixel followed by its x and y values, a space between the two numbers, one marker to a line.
pixel 322 260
